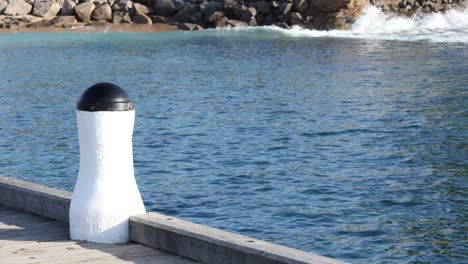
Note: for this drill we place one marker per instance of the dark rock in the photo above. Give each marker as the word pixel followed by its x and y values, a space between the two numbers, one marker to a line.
pixel 121 17
pixel 68 8
pixel 141 19
pixel 161 19
pixel 165 8
pixel 196 18
pixel 185 14
pixel 179 4
pixel 285 8
pixel 328 5
pixel 283 25
pixel 295 18
pixel 103 12
pixel 269 20
pixel 301 5
pixel 123 5
pixel 263 7
pixel 189 26
pixel 248 13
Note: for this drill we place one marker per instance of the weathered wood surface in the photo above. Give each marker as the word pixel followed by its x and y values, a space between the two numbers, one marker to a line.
pixel 28 238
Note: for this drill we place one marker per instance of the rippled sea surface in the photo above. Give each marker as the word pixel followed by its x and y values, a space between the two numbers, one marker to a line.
pixel 353 149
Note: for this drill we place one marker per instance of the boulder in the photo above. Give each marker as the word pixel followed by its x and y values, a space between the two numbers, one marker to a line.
pixel 165 8
pixel 295 18
pixel 142 9
pixel 46 8
pixel 236 23
pixel 68 8
pixel 301 5
pixel 161 19
pixel 84 11
pixel 3 5
pixel 142 19
pixel 189 27
pixel 285 8
pixel 41 24
pixel 221 23
pixel 31 19
pixel 232 8
pixel 123 5
pixel 179 4
pixel 99 2
pixel 17 7
pixel 185 14
pixel 196 18
pixel 328 5
pixel 268 20
pixel 121 17
pixel 214 17
pixel 65 20
pixel 263 7
pixel 103 12
pixel 248 13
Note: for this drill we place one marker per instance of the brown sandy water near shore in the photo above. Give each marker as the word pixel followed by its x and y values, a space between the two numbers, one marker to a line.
pixel 154 28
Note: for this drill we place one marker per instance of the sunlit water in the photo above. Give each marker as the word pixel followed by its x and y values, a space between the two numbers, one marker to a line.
pixel 353 148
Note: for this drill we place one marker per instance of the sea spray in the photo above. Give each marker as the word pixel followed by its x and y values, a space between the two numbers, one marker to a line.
pixel 450 27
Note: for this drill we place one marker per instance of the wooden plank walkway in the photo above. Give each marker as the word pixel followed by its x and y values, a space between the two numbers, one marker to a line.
pixel 28 238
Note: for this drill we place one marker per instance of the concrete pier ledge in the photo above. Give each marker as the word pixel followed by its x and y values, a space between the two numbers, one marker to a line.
pixel 185 239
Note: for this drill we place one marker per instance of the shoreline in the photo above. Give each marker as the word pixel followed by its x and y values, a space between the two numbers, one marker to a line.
pixel 190 15
pixel 83 28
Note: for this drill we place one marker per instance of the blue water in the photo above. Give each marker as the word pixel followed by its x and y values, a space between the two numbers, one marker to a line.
pixel 350 148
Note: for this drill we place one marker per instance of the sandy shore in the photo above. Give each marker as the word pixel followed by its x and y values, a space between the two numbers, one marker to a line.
pixel 81 28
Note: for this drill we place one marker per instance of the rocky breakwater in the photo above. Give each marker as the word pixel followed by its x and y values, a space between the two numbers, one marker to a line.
pixel 186 14
pixel 412 7
pixel 199 14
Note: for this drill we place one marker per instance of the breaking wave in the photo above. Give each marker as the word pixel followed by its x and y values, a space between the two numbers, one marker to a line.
pixel 450 26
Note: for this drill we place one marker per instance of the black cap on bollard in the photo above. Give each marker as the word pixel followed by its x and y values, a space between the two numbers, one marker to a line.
pixel 104 97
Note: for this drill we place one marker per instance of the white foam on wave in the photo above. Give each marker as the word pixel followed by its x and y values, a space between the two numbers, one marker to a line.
pixel 451 26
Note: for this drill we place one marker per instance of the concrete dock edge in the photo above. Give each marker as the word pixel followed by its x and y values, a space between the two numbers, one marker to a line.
pixel 213 246
pixel 183 238
pixel 35 198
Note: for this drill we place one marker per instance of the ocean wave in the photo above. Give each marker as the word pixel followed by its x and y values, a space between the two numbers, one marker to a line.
pixel 449 27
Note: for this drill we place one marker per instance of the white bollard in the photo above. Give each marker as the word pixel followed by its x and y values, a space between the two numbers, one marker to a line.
pixel 106 193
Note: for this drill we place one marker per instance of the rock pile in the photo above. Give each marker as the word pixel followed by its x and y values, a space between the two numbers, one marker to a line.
pixel 198 14
pixel 411 7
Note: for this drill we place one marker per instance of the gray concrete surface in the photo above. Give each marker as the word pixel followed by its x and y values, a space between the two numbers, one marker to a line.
pixel 26 238
pixel 182 238
pixel 213 246
pixel 34 198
